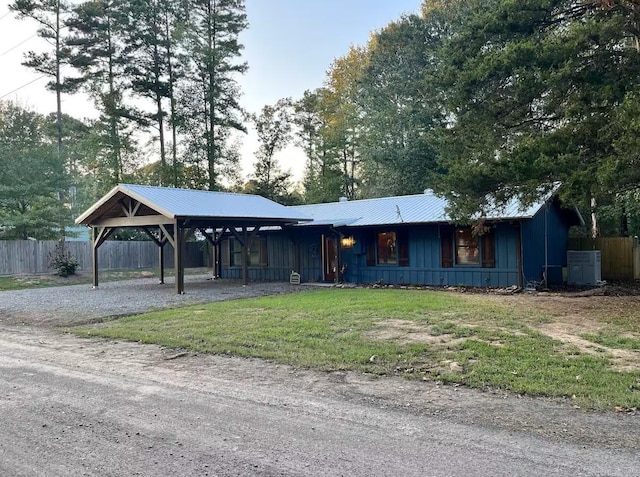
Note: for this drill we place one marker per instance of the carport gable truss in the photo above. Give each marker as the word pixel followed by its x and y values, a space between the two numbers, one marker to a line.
pixel 170 215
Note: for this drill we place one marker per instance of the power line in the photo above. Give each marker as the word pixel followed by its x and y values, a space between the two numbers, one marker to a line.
pixel 16 46
pixel 5 15
pixel 23 86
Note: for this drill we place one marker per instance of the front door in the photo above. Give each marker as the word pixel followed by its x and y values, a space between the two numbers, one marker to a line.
pixel 329 258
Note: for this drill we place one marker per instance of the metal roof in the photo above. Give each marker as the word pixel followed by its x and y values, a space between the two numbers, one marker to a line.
pixel 179 203
pixel 409 209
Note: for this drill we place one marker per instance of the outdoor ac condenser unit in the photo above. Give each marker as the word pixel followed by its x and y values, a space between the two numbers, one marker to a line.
pixel 584 267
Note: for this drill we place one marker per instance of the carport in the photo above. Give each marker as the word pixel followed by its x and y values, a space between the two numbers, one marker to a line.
pixel 170 215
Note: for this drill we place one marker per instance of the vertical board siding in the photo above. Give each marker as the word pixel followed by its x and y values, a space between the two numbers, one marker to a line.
pixel 533 244
pixel 424 260
pixel 24 257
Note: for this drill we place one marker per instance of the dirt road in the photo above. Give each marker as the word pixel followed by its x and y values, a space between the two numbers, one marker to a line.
pixel 71 407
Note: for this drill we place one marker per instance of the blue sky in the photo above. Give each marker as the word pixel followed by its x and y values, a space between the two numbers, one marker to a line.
pixel 289 46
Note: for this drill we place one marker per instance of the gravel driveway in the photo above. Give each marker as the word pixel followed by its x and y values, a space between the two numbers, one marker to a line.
pixel 77 304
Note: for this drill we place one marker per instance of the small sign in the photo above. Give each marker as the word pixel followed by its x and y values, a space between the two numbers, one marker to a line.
pixel 294 279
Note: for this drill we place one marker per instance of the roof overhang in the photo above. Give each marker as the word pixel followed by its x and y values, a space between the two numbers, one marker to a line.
pixel 123 207
pixel 95 215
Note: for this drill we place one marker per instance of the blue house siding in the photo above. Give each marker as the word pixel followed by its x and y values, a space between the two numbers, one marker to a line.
pixel 310 245
pixel 279 259
pixel 533 245
pixel 424 268
pixel 301 249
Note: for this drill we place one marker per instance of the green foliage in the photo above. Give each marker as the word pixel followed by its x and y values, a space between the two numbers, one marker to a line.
pixel 62 261
pixel 210 108
pixel 400 114
pixel 273 126
pixel 155 67
pixel 323 178
pixel 537 93
pixel 33 181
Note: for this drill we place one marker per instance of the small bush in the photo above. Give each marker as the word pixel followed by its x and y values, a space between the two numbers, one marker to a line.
pixel 62 261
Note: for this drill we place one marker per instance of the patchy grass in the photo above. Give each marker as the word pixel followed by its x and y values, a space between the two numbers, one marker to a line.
pixel 475 340
pixel 613 340
pixel 83 278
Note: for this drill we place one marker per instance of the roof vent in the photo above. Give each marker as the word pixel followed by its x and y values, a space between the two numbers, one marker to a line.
pixel 343 199
pixel 428 192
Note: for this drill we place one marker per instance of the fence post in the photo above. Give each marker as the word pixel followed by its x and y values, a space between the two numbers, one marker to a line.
pixel 636 259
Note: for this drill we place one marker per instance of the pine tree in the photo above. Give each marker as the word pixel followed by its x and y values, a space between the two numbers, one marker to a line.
pixel 212 97
pixel 49 16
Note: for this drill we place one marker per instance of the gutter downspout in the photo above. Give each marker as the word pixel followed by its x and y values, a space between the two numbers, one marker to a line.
pixel 546 246
pixel 520 257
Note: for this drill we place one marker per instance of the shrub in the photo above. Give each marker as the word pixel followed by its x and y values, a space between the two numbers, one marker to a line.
pixel 62 261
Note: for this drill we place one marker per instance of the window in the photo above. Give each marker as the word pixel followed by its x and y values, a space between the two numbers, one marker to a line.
pixel 387 249
pixel 257 252
pixel 466 247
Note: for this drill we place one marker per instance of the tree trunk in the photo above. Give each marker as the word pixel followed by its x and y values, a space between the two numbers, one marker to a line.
pixel 172 103
pixel 594 221
pixel 58 88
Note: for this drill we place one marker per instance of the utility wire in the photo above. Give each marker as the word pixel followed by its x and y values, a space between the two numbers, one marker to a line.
pixel 16 46
pixel 23 86
pixel 5 15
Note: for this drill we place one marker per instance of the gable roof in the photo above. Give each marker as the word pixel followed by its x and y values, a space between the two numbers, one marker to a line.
pixel 409 209
pixel 188 203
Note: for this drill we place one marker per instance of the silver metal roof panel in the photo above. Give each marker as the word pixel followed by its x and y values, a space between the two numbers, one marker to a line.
pixel 409 209
pixel 176 203
pixel 200 203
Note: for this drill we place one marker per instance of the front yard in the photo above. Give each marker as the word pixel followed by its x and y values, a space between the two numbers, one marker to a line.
pixel 584 349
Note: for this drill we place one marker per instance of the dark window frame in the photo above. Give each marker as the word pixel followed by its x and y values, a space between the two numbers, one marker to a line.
pixel 387 248
pixel 400 249
pixel 258 253
pixel 466 248
pixel 486 251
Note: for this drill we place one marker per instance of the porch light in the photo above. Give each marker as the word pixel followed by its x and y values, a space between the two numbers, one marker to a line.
pixel 347 242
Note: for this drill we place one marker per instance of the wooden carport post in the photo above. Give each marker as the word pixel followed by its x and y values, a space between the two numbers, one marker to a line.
pixel 245 256
pixel 160 241
pixel 98 236
pixel 161 259
pixel 244 250
pixel 94 255
pixel 215 244
pixel 178 261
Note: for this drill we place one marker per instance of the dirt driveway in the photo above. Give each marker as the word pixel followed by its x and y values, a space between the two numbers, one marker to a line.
pixel 71 406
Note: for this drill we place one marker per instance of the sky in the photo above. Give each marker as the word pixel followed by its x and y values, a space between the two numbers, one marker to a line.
pixel 289 46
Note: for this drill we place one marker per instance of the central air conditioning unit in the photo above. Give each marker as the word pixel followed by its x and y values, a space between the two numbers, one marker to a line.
pixel 584 267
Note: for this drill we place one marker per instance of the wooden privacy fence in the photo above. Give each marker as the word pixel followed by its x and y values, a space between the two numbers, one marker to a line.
pixel 620 255
pixel 24 257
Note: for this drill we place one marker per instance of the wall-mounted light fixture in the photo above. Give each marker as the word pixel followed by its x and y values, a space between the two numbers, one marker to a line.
pixel 347 242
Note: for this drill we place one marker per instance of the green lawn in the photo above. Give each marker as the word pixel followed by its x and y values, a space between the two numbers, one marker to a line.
pixel 468 339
